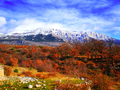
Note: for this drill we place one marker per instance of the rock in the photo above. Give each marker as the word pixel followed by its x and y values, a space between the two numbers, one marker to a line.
pixel 37 85
pixel 89 88
pixel 77 85
pixel 1 71
pixel 82 78
pixel 3 78
pixel 39 82
pixel 44 85
pixel 30 86
pixel 26 79
pixel 55 89
pixel 89 82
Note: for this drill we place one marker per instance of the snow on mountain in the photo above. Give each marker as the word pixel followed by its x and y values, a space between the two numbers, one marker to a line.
pixel 65 35
pixel 32 32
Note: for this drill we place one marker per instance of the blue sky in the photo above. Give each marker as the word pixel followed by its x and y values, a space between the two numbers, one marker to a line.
pixel 101 16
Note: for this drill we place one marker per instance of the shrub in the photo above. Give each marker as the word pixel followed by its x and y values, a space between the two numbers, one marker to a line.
pixel 13 48
pixel 16 70
pixel 102 82
pixel 8 71
pixel 70 86
pixel 45 65
pixel 38 75
pixel 31 68
pixel 41 46
pixel 28 73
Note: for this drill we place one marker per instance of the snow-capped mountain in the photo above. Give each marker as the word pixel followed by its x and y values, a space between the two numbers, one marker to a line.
pixel 62 34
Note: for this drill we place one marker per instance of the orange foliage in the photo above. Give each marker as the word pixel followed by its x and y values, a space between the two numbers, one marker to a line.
pixel 102 82
pixel 5 55
pixel 14 61
pixel 30 63
pixel 18 46
pixel 56 66
pixel 38 75
pixel 74 59
pixel 39 62
pixel 2 60
pixel 25 64
pixel 28 73
pixel 79 63
pixel 91 63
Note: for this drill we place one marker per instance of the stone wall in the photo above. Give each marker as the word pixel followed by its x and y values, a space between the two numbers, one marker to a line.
pixel 1 71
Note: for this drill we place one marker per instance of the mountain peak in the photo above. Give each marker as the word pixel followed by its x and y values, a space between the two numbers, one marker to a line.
pixel 71 36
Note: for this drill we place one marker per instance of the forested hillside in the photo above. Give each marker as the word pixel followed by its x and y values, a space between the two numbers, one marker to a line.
pixel 95 60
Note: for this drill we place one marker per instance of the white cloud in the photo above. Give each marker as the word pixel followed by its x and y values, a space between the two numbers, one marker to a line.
pixel 89 4
pixel 78 24
pixel 73 20
pixel 64 19
pixel 29 24
pixel 12 21
pixel 116 10
pixel 116 28
pixel 41 2
pixel 116 32
pixel 2 21
pixel 61 14
pixel 102 3
pixel 96 28
pixel 3 30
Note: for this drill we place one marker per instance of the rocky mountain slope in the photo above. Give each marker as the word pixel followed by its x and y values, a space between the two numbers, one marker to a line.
pixel 56 35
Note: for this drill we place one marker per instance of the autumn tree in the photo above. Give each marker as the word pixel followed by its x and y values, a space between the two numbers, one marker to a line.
pixel 2 60
pixel 64 50
pixel 14 61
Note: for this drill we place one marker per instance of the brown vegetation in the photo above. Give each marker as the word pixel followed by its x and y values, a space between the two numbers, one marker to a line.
pixel 92 59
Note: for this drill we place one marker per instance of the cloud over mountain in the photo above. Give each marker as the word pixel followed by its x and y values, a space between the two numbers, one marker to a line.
pixel 101 16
